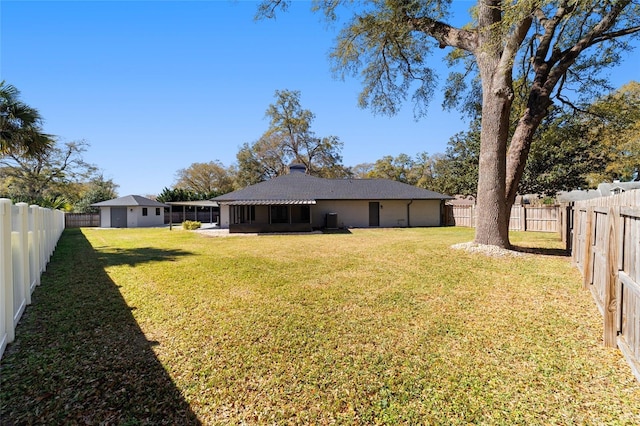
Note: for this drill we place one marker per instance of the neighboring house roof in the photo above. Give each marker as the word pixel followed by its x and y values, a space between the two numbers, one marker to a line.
pixel 300 188
pixel 605 189
pixel 578 195
pixel 462 200
pixel 129 201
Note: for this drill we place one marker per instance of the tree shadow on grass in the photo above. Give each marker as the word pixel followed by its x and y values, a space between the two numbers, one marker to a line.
pixel 542 251
pixel 80 357
pixel 110 256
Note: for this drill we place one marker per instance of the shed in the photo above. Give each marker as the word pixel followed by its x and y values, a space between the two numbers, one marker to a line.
pixel 131 211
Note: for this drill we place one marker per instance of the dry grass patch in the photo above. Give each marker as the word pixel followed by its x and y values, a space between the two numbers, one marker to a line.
pixel 373 327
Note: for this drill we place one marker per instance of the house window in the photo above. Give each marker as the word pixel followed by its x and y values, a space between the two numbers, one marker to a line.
pixel 157 211
pixel 305 213
pixel 144 211
pixel 279 214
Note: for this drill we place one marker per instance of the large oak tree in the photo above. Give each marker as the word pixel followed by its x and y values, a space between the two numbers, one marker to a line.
pixel 545 46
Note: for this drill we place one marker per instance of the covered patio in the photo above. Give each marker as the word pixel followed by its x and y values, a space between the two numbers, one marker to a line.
pixel 263 216
pixel 205 211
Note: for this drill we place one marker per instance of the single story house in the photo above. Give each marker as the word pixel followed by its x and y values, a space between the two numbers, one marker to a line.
pixel 298 202
pixel 130 211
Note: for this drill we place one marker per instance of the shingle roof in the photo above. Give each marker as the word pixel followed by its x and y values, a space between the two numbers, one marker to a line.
pixel 304 188
pixel 129 201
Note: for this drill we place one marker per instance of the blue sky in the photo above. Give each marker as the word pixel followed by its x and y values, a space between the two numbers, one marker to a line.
pixel 154 86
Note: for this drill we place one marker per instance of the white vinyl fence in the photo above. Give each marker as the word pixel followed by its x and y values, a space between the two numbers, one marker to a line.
pixel 28 236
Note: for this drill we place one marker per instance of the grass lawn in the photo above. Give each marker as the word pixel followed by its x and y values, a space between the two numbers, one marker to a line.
pixel 392 326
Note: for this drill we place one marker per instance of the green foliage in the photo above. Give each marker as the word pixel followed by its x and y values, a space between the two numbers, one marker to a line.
pixel 208 179
pixel 20 126
pixel 614 124
pixel 190 225
pixel 416 171
pixel 59 171
pixel 96 190
pixel 562 157
pixel 457 170
pixel 180 194
pixel 288 140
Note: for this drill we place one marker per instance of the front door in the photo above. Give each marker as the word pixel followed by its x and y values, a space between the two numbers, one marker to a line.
pixel 374 213
pixel 118 217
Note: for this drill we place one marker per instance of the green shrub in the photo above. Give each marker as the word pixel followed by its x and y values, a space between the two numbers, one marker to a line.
pixel 190 225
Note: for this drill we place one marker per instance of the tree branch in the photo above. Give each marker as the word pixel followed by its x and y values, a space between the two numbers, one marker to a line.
pixel 445 34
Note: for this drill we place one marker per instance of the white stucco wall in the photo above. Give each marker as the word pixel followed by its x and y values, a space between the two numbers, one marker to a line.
pixel 425 213
pixel 105 217
pixel 393 213
pixel 353 214
pixel 224 216
pixel 135 219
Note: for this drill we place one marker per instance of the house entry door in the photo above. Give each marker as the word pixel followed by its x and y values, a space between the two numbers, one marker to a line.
pixel 374 213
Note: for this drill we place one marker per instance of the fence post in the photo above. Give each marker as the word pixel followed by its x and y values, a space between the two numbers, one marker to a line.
pixel 6 269
pixel 567 227
pixel 34 227
pixel 587 261
pixel 23 225
pixel 610 327
pixel 473 215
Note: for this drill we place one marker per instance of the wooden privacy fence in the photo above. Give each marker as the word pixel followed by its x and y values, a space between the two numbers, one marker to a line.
pixel 81 220
pixel 606 250
pixel 523 217
pixel 28 236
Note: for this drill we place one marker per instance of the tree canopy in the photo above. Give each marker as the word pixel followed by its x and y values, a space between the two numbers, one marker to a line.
pixel 289 139
pixel 56 173
pixel 207 179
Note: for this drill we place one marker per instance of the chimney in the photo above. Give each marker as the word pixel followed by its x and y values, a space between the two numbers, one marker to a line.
pixel 297 168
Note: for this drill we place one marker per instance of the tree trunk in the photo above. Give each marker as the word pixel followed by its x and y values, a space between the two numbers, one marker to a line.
pixel 520 146
pixel 492 224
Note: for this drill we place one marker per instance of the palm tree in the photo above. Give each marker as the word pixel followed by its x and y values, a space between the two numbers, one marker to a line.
pixel 20 125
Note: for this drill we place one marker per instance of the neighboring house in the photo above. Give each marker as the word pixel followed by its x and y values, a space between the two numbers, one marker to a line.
pixel 605 189
pixel 131 211
pixel 298 202
pixel 462 200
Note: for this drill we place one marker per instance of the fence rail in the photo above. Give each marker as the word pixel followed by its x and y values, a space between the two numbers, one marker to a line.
pixel 28 236
pixel 606 250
